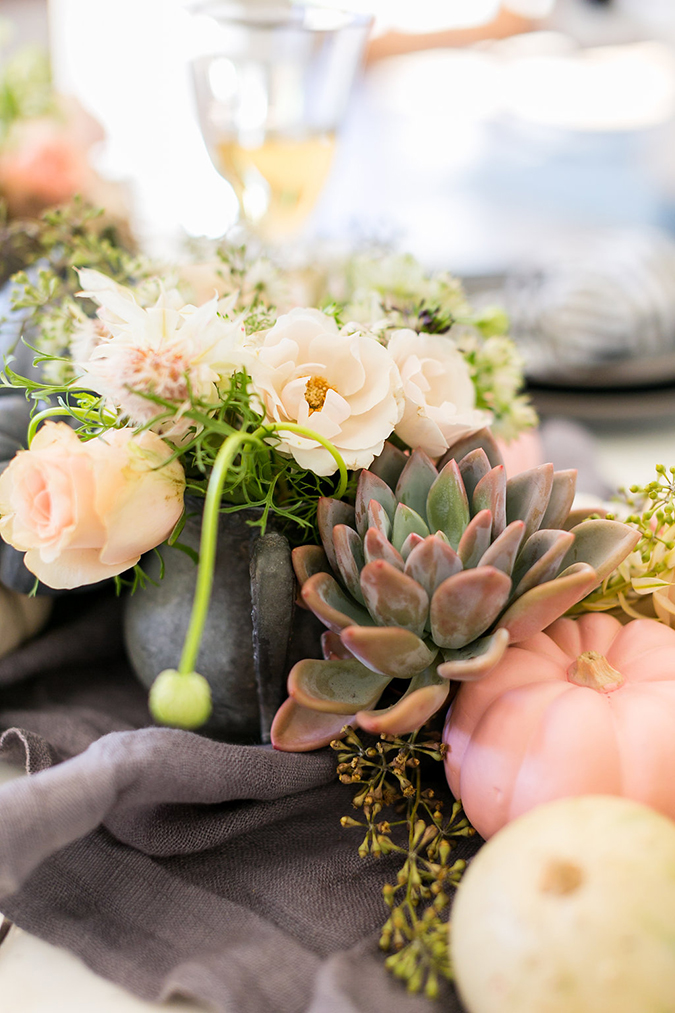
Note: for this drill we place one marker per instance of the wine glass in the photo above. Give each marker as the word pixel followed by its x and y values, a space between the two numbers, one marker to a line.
pixel 272 90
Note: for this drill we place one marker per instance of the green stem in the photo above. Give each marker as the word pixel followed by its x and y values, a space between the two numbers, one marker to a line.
pixel 79 413
pixel 209 537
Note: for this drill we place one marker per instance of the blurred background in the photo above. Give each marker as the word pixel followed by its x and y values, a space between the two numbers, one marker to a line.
pixel 527 146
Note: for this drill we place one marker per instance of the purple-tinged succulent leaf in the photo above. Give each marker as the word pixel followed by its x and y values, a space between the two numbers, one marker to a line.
pixel 475 541
pixel 326 599
pixel 542 605
pixel 370 487
pixel 335 687
pixel 411 542
pixel 466 605
pixel 415 481
pixel 527 496
pixel 332 647
pixel 470 663
pixel 425 695
pixel 308 560
pixel 473 467
pixel 388 650
pixel 562 497
pixel 406 522
pixel 297 729
pixel 377 517
pixel 330 512
pixel 389 465
pixel 350 561
pixel 393 598
pixel 504 550
pixel 376 546
pixel 465 444
pixel 579 514
pixel 602 544
pixel 539 559
pixel 447 504
pixel 490 494
pixel 432 562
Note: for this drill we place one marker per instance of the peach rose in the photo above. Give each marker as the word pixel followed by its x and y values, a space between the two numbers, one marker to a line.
pixel 84 511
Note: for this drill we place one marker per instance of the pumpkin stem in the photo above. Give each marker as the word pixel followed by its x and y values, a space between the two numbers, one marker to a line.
pixel 594 671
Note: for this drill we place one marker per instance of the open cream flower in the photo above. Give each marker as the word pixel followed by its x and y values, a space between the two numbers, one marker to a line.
pixel 85 511
pixel 177 353
pixel 440 398
pixel 344 386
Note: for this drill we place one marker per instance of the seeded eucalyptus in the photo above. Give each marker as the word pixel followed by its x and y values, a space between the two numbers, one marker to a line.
pixel 389 775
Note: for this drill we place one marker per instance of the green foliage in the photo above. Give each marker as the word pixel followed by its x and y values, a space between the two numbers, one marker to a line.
pixel 389 775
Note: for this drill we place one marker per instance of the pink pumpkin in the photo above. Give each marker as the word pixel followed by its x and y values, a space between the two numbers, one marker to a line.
pixel 586 708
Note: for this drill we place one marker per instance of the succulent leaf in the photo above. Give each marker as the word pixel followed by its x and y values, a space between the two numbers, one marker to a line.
pixel 539 559
pixel 466 605
pixel 376 546
pixel 431 562
pixel 473 468
pixel 504 550
pixel 562 497
pixel 393 598
pixel 335 687
pixel 447 505
pixel 411 542
pixel 426 693
pixel 332 647
pixel 601 543
pixel 527 496
pixel 297 729
pixel 308 560
pixel 326 599
pixel 377 517
pixel 476 659
pixel 330 512
pixel 460 448
pixel 476 539
pixel 407 522
pixel 388 650
pixel 490 494
pixel 542 605
pixel 350 559
pixel 371 487
pixel 416 479
pixel 389 465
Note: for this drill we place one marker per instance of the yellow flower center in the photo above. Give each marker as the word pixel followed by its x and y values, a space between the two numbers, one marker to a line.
pixel 315 392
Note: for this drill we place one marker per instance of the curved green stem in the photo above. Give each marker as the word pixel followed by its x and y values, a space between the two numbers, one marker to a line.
pixel 207 548
pixel 209 537
pixel 294 427
pixel 82 414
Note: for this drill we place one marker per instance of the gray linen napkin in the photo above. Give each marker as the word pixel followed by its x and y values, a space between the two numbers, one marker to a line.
pixel 175 864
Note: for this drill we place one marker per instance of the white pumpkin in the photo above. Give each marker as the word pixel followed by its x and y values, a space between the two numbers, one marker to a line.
pixel 570 909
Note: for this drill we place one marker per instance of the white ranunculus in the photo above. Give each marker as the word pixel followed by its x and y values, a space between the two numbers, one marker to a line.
pixel 345 386
pixel 440 398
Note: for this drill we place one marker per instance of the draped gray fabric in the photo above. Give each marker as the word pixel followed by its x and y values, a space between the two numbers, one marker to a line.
pixel 175 864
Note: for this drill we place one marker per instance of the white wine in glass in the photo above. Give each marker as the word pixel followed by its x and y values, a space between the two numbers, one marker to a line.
pixel 271 91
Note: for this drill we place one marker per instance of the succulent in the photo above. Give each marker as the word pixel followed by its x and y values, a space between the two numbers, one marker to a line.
pixel 428 578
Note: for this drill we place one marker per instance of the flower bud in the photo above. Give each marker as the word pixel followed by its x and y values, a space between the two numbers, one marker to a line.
pixel 181 701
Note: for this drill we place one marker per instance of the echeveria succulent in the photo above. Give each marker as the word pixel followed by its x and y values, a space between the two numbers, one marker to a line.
pixel 428 578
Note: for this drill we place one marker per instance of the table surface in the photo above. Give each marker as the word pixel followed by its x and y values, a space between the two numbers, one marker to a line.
pixel 36 977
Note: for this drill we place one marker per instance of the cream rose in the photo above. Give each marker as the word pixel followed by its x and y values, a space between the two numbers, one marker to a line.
pixel 345 386
pixel 84 511
pixel 440 398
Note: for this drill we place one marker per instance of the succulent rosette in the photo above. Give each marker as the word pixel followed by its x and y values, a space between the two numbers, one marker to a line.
pixel 428 578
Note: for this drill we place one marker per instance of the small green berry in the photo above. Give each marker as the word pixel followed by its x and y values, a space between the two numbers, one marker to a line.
pixel 181 701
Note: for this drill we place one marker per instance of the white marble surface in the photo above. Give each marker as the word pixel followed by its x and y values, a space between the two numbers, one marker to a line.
pixel 36 977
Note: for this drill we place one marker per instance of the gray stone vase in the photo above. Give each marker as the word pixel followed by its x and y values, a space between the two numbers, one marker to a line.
pixel 254 632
